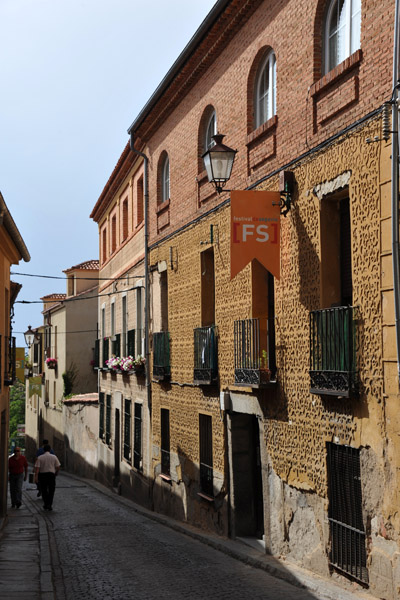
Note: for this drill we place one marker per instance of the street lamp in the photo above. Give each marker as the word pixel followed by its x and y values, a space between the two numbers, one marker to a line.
pixel 218 161
pixel 29 336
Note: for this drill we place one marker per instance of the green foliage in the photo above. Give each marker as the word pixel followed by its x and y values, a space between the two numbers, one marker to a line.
pixel 69 377
pixel 17 410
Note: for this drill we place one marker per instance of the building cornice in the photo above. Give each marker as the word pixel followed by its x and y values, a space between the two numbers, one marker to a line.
pixel 218 28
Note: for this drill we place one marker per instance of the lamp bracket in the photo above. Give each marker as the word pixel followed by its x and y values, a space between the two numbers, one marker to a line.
pixel 285 203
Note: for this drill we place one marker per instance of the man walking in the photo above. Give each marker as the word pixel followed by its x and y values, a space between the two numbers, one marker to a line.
pixel 17 466
pixel 46 469
pixel 39 452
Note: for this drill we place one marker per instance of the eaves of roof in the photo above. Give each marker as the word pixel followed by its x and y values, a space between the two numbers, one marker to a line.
pixel 87 265
pixel 12 230
pixel 211 38
pixel 121 170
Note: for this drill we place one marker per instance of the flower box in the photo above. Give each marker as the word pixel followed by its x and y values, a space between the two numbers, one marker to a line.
pixel 126 364
pixel 51 363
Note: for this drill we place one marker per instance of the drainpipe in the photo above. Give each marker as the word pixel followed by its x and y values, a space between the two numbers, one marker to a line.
pixel 395 185
pixel 146 266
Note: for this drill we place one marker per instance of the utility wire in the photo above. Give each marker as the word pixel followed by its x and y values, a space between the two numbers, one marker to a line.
pixel 88 278
pixel 74 299
pixel 66 332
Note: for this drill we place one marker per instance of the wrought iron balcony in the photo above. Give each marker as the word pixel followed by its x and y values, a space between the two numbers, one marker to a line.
pixel 333 365
pixel 254 345
pixel 205 356
pixel 161 360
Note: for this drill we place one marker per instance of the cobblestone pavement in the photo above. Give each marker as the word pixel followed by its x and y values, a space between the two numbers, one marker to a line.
pixel 103 549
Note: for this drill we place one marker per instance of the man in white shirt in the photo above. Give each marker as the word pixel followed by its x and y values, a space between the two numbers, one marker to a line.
pixel 46 469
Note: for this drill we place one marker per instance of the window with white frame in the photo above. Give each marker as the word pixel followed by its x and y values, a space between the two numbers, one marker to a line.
pixel 265 90
pixel 165 180
pixel 211 129
pixel 342 31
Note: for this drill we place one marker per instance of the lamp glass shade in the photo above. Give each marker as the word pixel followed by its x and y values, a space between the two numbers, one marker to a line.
pixel 218 161
pixel 29 336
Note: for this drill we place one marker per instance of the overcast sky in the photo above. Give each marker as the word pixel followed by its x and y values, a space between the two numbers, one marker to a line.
pixel 74 74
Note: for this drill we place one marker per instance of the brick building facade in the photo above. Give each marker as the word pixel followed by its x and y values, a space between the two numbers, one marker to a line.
pixel 124 432
pixel 298 88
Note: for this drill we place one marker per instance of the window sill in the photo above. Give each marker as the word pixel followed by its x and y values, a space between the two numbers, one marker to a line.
pixel 163 206
pixel 264 129
pixel 206 497
pixel 337 73
pixel 166 478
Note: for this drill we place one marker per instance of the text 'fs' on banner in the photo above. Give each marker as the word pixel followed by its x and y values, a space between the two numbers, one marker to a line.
pixel 255 230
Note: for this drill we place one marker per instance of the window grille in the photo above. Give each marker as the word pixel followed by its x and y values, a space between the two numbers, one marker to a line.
pixel 206 457
pixel 127 430
pixel 165 442
pixel 137 449
pixel 333 344
pixel 348 552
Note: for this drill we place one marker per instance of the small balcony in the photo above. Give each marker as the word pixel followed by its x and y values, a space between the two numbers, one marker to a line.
pixel 333 365
pixel 254 346
pixel 205 356
pixel 161 360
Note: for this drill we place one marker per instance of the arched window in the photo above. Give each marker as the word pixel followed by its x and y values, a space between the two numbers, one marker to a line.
pixel 165 179
pixel 211 129
pixel 342 31
pixel 265 90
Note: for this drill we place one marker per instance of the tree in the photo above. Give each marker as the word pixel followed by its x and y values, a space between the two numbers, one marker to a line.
pixel 17 409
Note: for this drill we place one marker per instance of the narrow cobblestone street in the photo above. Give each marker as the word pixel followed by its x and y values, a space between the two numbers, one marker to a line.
pixel 105 547
pixel 102 549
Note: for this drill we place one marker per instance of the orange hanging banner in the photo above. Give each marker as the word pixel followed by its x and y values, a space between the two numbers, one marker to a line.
pixel 255 230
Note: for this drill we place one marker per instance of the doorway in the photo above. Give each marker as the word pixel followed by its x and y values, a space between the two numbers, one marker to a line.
pixel 247 476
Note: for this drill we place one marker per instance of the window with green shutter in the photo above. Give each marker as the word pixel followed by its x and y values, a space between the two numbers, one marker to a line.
pixel 108 419
pixel 137 448
pixel 101 415
pixel 127 430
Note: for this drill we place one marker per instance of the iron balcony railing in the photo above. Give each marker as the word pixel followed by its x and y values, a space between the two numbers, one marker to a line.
pixel 161 356
pixel 254 348
pixel 205 356
pixel 333 364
